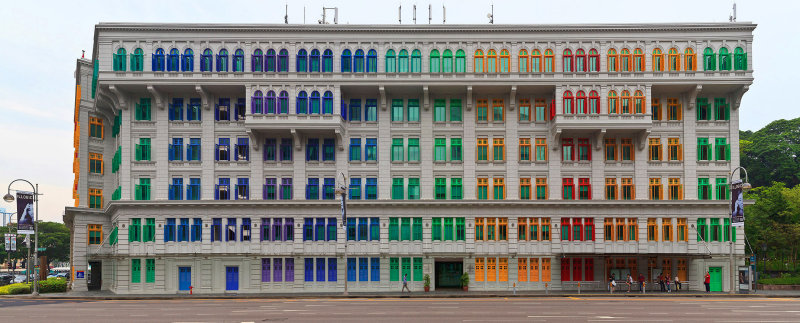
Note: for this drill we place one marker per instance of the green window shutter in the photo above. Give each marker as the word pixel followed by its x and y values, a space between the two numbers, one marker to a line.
pixel 448 229
pixel 151 271
pixel 417 269
pixel 460 229
pixel 394 269
pixel 138 152
pixel 417 233
pixel 405 229
pixel 394 229
pixel 138 194
pixel 436 229
pixel 728 152
pixel 397 188
pixel 406 263
pixel 136 271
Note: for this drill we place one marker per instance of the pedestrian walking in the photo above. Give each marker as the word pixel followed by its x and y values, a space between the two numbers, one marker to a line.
pixel 641 283
pixel 405 284
pixel 677 283
pixel 707 282
pixel 629 281
pixel 612 283
pixel 661 282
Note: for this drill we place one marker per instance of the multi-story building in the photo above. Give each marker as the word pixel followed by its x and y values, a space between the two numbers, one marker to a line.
pixel 534 156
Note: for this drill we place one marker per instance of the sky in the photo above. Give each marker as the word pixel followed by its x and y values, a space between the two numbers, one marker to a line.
pixel 42 39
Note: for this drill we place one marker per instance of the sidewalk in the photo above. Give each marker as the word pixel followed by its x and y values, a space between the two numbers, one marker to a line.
pixel 107 295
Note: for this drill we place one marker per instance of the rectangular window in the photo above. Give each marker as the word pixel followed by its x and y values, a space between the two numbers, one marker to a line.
pixel 627 149
pixel 193 150
pixel 652 230
pixel 633 229
pixel 722 149
pixel 331 229
pixel 627 189
pixel 371 149
pixel 95 127
pixel 355 149
pixel 286 149
pixel 703 109
pixel 95 234
pixel 674 149
pixel 721 109
pixel 216 230
pixel 525 188
pixel 676 189
pixel 483 149
pixel 413 149
pixel 95 198
pixel 455 110
pixel 183 230
pixel 567 189
pixel 498 189
pixel 655 189
pixel 440 149
pixel 328 189
pixel 413 110
pixel 673 109
pixel 372 189
pixel 223 149
pixel 371 110
pixel 722 189
pixel 541 188
pixel 716 235
pixel 319 229
pixel 143 150
pixel 312 149
pixel 150 274
pixel 483 188
pixel 397 149
pixel 135 230
pixel 222 191
pixel 703 189
pixel 142 110
pixel 355 110
pixel 655 149
pixel 242 188
pixel 608 229
pixel 96 163
pixel 242 149
pixel 584 149
pixel 176 149
pixel 436 229
pixel 456 192
pixel 498 110
pixel 149 232
pixel 230 230
pixel 143 190
pixel 374 229
pixel 655 108
pixel 666 229
pixel 398 188
pixel 567 147
pixel 491 233
pixel 541 149
pixel 524 149
pixel 417 233
pixel 479 230
pixel 312 189
pixel 682 230
pixel 397 110
pixel 439 110
pixel 455 149
pixel 498 149
pixel 328 149
pixel 482 110
pixel 540 110
pixel 611 188
pixel 524 110
pixel 197 230
pixel 413 188
pixel 354 188
pixel 611 149
pixel 440 189
pixel 584 189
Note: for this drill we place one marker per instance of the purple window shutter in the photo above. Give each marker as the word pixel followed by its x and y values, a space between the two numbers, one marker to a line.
pixel 289 226
pixel 265 269
pixel 289 270
pixel 277 271
pixel 265 229
pixel 276 230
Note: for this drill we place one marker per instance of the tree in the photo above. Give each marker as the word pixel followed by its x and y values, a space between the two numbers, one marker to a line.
pixel 772 153
pixel 53 236
pixel 774 221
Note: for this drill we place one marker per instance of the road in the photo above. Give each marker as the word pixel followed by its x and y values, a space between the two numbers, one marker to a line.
pixel 415 309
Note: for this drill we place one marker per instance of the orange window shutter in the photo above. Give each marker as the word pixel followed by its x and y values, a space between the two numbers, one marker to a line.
pixel 522 269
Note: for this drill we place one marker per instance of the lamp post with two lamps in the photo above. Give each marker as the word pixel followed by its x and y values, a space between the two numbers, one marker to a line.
pixel 10 198
pixel 745 186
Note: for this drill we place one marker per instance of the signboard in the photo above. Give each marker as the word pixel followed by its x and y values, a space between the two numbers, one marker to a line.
pixel 79 274
pixel 11 242
pixel 737 204
pixel 25 213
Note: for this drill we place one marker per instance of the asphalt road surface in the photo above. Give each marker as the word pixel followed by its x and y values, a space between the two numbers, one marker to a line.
pixel 533 309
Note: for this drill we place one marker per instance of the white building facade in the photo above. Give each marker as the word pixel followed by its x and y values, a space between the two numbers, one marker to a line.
pixel 527 156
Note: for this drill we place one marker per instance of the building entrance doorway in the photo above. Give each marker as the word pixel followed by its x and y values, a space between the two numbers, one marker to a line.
pixel 716 278
pixel 95 275
pixel 448 274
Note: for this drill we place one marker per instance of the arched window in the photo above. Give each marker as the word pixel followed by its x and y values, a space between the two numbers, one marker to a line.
pixel 257 61
pixel 270 65
pixel 302 60
pixel 549 61
pixel 402 61
pixel 302 103
pixel 447 61
pixel 327 103
pixel 536 61
pixel 690 59
pixel 434 61
pixel 416 61
pixel 524 65
pixel 257 103
pixel 674 60
pixel 580 102
pixel 461 61
pixel 594 60
pixel 173 58
pixel 391 62
pixel 327 61
pixel 479 61
pixel 358 61
pixel 270 102
pixel 314 103
pixel 625 60
pixel 568 61
pixel 120 59
pixel 158 60
pixel 187 60
pixel 222 60
pixel 638 60
pixel 569 103
pixel 658 60
pixel 372 61
pixel 625 101
pixel 613 60
pixel 205 60
pixel 313 62
pixel 724 59
pixel 505 61
pixel 491 61
pixel 739 59
pixel 283 60
pixel 594 102
pixel 580 60
pixel 137 60
pixel 709 60
pixel 639 105
pixel 613 102
pixel 238 60
pixel 283 102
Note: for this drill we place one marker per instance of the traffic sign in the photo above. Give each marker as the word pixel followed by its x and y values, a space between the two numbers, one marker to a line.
pixel 41 249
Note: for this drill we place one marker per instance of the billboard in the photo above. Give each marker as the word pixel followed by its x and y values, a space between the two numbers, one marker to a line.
pixel 737 204
pixel 25 213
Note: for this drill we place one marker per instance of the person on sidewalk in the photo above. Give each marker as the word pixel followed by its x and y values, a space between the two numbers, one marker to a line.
pixel 629 281
pixel 677 283
pixel 661 282
pixel 612 283
pixel 405 284
pixel 666 282
pixel 707 282
pixel 641 283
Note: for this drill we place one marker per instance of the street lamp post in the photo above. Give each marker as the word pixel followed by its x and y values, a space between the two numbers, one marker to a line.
pixel 342 190
pixel 745 186
pixel 10 198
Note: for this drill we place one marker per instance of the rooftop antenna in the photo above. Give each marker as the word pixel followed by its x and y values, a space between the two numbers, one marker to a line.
pixel 491 15
pixel 324 16
pixel 732 18
pixel 429 14
pixel 286 16
pixel 415 14
pixel 444 14
pixel 400 14
pixel 83 53
pixel 304 15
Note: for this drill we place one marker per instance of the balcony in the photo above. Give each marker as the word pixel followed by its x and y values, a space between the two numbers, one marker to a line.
pixel 300 122
pixel 638 125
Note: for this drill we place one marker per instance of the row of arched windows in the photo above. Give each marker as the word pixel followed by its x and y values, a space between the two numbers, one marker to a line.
pixel 623 103
pixel 306 104
pixel 489 62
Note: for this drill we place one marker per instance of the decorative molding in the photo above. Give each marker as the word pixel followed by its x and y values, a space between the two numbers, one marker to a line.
pixel 253 139
pixel 693 96
pixel 512 105
pixel 469 97
pixel 296 140
pixel 426 102
pixel 123 103
pixel 737 96
pixel 160 101
pixel 382 91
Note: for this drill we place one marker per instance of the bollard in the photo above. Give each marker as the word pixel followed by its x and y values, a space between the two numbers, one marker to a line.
pixel 190 289
pixel 546 288
pixel 579 287
pixel 515 289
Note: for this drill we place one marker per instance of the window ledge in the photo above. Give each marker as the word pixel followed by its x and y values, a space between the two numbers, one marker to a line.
pixel 144 162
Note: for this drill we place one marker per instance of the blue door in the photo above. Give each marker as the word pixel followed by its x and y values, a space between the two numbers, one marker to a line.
pixel 184 278
pixel 232 278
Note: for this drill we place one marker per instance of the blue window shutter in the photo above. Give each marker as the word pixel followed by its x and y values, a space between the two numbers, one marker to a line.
pixel 216 112
pixel 216 192
pixel 216 152
pixel 171 152
pixel 344 111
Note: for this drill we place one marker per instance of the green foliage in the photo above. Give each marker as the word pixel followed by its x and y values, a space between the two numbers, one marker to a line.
pixel 427 280
pixel 53 285
pixel 14 289
pixel 772 153
pixel 783 280
pixel 773 223
pixel 465 279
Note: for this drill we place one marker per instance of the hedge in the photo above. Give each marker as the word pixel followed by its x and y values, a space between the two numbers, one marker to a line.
pixel 780 281
pixel 13 289
pixel 51 285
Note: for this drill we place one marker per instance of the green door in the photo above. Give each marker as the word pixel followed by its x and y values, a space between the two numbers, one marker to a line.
pixel 716 278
